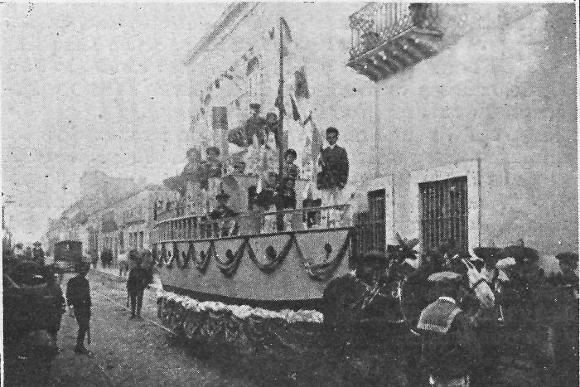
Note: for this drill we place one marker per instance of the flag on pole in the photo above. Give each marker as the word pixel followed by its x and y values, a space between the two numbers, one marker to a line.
pixel 301 85
pixel 286 35
pixel 295 112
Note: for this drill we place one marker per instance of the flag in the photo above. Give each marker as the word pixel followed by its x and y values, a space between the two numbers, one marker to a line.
pixel 286 35
pixel 251 66
pixel 316 141
pixel 301 85
pixel 295 112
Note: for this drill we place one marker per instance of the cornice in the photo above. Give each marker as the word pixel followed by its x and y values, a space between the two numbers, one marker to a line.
pixel 233 12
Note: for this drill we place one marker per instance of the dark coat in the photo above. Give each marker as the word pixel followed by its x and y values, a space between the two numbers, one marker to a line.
pixel 139 279
pixel 335 165
pixel 450 347
pixel 222 212
pixel 78 293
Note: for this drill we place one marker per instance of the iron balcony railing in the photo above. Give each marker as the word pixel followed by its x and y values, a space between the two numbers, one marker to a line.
pixel 378 23
pixel 191 227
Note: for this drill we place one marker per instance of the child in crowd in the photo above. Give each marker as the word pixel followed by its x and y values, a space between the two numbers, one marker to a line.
pixel 287 198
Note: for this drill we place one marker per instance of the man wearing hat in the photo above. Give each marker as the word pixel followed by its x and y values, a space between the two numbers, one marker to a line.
pixel 450 347
pixel 78 295
pixel 222 211
pixel 38 253
pixel 254 126
pixel 212 163
pixel 19 251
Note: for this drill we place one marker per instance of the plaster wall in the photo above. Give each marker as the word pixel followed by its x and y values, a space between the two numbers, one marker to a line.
pixel 499 91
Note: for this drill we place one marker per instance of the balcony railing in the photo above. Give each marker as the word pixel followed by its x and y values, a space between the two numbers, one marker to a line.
pixel 200 227
pixel 387 37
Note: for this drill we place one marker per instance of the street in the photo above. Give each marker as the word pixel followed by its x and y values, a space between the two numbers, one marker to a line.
pixel 130 352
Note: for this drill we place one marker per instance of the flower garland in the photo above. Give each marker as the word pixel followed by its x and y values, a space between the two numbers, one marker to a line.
pixel 202 262
pixel 229 267
pixel 274 259
pixel 242 312
pixel 323 271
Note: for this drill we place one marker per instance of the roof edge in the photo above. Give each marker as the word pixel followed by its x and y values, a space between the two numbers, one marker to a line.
pixel 228 16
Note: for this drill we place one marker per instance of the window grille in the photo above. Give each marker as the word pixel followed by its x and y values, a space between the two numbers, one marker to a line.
pixel 370 226
pixel 444 213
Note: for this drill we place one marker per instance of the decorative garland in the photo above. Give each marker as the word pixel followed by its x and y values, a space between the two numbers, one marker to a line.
pixel 274 259
pixel 242 312
pixel 182 260
pixel 323 271
pixel 229 267
pixel 202 260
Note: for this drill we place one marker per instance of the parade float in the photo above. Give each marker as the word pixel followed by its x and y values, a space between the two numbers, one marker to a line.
pixel 266 280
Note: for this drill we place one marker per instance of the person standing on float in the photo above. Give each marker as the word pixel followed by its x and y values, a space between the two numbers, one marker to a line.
pixel 333 177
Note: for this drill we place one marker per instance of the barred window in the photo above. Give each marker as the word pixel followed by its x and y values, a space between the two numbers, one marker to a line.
pixel 370 226
pixel 444 213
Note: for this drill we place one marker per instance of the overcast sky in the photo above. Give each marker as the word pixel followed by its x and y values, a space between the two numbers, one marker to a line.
pixel 91 86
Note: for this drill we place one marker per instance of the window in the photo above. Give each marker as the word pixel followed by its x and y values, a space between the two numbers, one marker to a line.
pixel 370 225
pixel 443 212
pixel 377 219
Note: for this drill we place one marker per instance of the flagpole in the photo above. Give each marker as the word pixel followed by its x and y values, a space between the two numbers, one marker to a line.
pixel 279 217
pixel 281 109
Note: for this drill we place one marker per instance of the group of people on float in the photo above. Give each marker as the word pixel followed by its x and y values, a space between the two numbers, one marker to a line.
pixel 274 193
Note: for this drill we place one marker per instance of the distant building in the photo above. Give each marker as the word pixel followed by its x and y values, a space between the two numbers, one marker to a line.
pixel 126 224
pixel 459 119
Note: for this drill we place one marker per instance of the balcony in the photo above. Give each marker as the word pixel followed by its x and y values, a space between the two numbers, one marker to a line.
pixel 389 37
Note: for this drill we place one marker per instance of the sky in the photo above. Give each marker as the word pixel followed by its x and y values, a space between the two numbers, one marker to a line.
pixel 91 86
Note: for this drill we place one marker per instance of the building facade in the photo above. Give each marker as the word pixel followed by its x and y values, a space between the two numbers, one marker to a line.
pixel 459 119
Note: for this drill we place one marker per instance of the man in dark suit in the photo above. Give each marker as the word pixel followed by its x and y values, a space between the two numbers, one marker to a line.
pixel 334 172
pixel 78 295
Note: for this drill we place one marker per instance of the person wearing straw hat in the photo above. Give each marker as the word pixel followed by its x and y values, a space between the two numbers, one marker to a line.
pixel 450 348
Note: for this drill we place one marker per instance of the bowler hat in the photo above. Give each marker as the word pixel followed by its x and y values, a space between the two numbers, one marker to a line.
pixel 212 149
pixel 255 106
pixel 192 151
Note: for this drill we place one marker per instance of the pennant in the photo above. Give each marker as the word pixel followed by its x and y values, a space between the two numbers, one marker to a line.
pixel 316 141
pixel 252 64
pixel 286 29
pixel 286 36
pixel 301 84
pixel 295 112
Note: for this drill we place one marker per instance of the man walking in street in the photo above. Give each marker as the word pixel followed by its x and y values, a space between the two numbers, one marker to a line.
pixel 450 347
pixel 139 279
pixel 78 295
